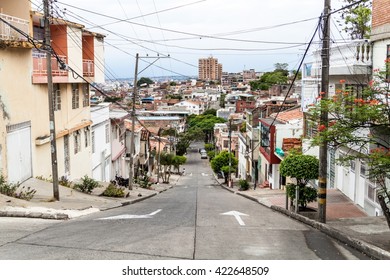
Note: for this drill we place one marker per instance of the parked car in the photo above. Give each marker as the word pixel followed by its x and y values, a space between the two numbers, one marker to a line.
pixel 201 151
pixel 203 155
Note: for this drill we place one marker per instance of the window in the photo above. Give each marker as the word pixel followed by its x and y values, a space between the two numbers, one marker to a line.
pixel 352 165
pixel 93 141
pixel 363 169
pixel 265 136
pixel 372 191
pixel 226 143
pixel 107 128
pixel 85 95
pixel 86 136
pixel 75 96
pixel 77 141
pixel 56 97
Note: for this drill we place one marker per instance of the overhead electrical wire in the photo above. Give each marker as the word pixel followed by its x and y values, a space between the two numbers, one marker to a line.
pixel 194 34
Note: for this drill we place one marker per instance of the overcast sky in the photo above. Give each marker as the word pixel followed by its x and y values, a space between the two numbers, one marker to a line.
pixel 246 34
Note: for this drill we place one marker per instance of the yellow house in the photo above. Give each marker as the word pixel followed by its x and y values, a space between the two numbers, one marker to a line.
pixel 24 111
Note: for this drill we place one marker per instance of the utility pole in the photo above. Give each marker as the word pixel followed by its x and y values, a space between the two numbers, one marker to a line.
pixel 53 144
pixel 158 156
pixel 132 148
pixel 323 168
pixel 133 119
pixel 230 151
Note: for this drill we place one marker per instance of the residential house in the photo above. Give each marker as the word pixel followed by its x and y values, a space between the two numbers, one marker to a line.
pixel 26 63
pixel 116 134
pixel 101 142
pixel 350 68
pixel 245 102
pixel 273 133
pixel 193 107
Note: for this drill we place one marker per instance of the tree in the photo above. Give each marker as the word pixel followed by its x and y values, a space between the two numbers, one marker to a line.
pixel 360 124
pixel 302 168
pixel 268 79
pixel 357 19
pixel 143 81
pixel 282 68
pixel 177 161
pixel 166 161
pixel 210 111
pixel 221 163
pixel 205 123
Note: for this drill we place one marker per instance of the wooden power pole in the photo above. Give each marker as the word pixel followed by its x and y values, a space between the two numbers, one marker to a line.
pixel 323 156
pixel 53 145
pixel 132 144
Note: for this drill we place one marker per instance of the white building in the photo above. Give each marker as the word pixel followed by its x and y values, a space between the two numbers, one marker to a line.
pixel 101 148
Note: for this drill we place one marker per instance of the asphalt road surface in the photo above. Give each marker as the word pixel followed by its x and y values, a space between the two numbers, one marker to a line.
pixel 197 219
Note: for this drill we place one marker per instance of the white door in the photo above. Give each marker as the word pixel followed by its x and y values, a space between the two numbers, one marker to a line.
pixel 19 155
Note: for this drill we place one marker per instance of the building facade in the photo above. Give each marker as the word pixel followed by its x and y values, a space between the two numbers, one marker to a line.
pixel 25 142
pixel 210 69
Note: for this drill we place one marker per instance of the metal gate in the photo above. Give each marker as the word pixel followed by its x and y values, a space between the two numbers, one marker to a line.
pixel 19 163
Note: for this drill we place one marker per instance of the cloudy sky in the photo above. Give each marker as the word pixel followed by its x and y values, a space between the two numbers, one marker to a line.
pixel 246 34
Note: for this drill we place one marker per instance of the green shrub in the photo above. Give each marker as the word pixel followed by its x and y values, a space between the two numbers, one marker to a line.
pixel 65 182
pixel 244 185
pixel 211 155
pixel 306 194
pixel 113 191
pixel 87 184
pixel 12 190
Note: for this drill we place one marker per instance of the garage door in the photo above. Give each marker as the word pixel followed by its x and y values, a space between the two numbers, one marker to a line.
pixel 19 152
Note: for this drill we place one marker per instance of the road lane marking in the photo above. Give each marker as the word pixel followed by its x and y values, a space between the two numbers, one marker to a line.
pixel 127 216
pixel 236 215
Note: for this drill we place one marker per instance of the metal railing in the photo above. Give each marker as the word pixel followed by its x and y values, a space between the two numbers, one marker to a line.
pixel 9 33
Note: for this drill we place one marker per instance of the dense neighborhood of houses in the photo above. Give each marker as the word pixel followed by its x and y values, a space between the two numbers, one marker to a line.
pixel 93 135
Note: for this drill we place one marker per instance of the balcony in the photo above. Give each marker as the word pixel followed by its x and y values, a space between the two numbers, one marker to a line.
pixel 40 69
pixel 88 68
pixel 10 36
pixel 353 58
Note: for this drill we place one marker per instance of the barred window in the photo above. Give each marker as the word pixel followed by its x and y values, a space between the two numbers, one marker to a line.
pixel 75 96
pixel 85 95
pixel 93 141
pixel 56 97
pixel 77 141
pixel 86 137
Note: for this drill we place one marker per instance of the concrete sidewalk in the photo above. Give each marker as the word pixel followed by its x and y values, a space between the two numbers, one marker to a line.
pixel 345 221
pixel 72 203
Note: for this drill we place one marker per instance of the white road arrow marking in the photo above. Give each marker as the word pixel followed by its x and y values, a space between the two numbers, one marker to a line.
pixel 126 216
pixel 205 174
pixel 236 215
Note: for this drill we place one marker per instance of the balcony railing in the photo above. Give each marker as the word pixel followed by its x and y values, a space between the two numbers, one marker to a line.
pixel 88 68
pixel 354 53
pixel 346 59
pixel 39 65
pixel 10 34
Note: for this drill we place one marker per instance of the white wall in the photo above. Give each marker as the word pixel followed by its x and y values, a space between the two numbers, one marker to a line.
pixel 100 117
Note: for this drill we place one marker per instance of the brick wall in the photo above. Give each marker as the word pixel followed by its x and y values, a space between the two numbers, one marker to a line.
pixel 380 13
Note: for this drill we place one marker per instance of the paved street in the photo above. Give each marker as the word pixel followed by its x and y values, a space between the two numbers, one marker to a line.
pixel 197 219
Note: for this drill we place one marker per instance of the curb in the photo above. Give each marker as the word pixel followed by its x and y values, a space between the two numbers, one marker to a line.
pixel 63 216
pixel 369 249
